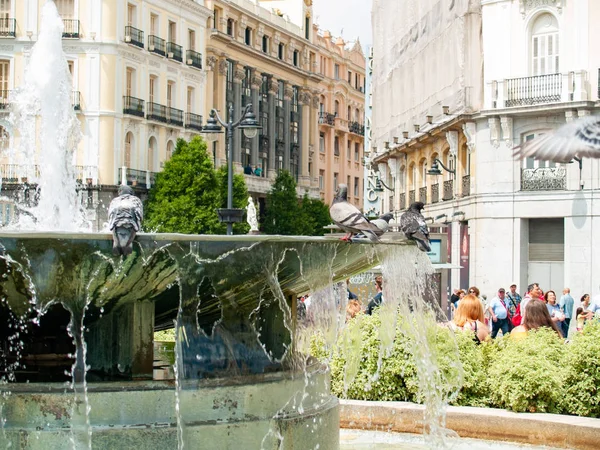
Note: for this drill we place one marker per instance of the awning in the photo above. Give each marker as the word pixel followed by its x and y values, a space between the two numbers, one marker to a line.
pixel 446 266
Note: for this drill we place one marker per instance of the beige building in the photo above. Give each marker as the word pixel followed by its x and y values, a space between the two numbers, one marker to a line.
pixel 138 81
pixel 270 54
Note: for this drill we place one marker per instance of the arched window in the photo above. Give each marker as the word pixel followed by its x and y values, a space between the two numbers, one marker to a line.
pixel 170 149
pixel 544 45
pixel 128 149
pixel 349 113
pixel 152 153
pixel 336 108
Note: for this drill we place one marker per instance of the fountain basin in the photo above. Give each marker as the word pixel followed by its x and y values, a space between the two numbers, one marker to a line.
pixel 552 430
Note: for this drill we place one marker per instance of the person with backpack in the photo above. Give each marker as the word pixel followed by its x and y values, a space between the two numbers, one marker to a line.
pixel 513 301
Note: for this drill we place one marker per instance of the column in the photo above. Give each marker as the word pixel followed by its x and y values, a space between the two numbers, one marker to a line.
pixel 238 76
pixel 256 83
pixel 273 87
pixel 287 100
pixel 304 138
pixel 220 103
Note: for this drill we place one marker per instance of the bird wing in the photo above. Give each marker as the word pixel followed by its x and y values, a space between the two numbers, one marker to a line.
pixel 349 217
pixel 413 224
pixel 382 225
pixel 580 138
pixel 125 210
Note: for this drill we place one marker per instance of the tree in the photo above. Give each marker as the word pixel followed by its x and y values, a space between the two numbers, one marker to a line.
pixel 188 192
pixel 283 214
pixel 315 216
pixel 240 196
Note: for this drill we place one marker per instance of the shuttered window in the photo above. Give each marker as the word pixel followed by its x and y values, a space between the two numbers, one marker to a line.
pixel 546 239
pixel 544 46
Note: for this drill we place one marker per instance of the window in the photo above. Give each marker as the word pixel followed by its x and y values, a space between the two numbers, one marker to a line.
pixel 216 17
pixel 296 58
pixel 356 81
pixel 154 24
pixel 131 15
pixel 152 88
pixel 265 43
pixel 280 51
pixel 336 71
pixel 336 146
pixel 152 152
pixel 530 163
pixel 170 149
pixel 230 27
pixel 356 183
pixel 190 99
pixel 321 180
pixel 191 39
pixel 295 94
pixel 128 149
pixel 544 46
pixel 248 36
pixel 322 142
pixel 335 181
pixel 350 78
pixel 349 113
pixel 349 154
pixel 356 151
pixel 336 108
pixel 264 114
pixel 66 8
pixel 312 62
pixel 129 80
pixel 307 27
pixel 171 94
pixel 70 64
pixel 294 132
pixel 172 36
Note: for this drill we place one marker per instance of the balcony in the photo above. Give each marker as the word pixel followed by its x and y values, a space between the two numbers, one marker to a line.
pixel 174 51
pixel 356 128
pixel 5 100
pixel 134 36
pixel 193 59
pixel 157 112
pixel 71 29
pixel 411 197
pixel 134 177
pixel 193 121
pixel 544 179
pixel 174 116
pixel 448 190
pixel 327 118
pixel 466 185
pixel 435 193
pixel 76 100
pixel 157 45
pixel 18 173
pixel 423 194
pixel 133 106
pixel 8 28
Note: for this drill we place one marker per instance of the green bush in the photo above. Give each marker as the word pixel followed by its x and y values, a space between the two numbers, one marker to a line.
pixel 537 374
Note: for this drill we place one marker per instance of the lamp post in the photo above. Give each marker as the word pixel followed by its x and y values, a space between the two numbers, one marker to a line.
pixel 249 125
pixel 435 170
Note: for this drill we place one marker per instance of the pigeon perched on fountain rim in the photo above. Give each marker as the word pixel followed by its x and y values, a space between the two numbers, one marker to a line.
pixel 413 225
pixel 125 214
pixel 349 218
pixel 574 140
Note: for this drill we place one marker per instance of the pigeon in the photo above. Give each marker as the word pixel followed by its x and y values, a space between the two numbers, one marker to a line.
pixel 125 215
pixel 349 218
pixel 574 140
pixel 382 222
pixel 412 224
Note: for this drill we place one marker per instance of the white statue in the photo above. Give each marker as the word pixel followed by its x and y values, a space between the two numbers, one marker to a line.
pixel 251 216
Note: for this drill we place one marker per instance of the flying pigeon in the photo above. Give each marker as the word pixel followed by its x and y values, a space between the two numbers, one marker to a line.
pixel 125 215
pixel 412 224
pixel 382 222
pixel 349 218
pixel 574 140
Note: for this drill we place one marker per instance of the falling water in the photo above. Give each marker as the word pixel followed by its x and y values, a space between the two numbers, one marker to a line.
pixel 44 100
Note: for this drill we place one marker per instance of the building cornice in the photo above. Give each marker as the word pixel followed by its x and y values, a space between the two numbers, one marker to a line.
pixel 183 6
pixel 537 110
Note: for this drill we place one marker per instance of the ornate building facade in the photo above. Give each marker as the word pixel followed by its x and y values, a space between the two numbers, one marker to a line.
pixel 519 68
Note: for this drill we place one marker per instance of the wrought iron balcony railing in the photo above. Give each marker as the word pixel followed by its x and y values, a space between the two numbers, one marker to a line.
pixel 193 121
pixel 448 190
pixel 327 118
pixel 356 128
pixel 435 193
pixel 193 59
pixel 5 100
pixel 174 51
pixel 134 36
pixel 533 90
pixel 133 106
pixel 544 179
pixel 76 100
pixel 156 112
pixel 133 177
pixel 157 45
pixel 71 29
pixel 466 185
pixel 174 116
pixel 411 197
pixel 8 28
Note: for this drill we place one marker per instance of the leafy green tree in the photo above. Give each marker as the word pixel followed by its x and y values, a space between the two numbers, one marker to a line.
pixel 315 215
pixel 283 214
pixel 240 197
pixel 188 192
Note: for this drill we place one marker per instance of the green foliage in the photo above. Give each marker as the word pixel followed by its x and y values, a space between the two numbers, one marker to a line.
pixel 283 214
pixel 315 216
pixel 240 196
pixel 537 374
pixel 582 382
pixel 188 192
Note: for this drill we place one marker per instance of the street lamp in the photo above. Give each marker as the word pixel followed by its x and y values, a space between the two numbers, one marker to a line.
pixel 435 170
pixel 249 125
